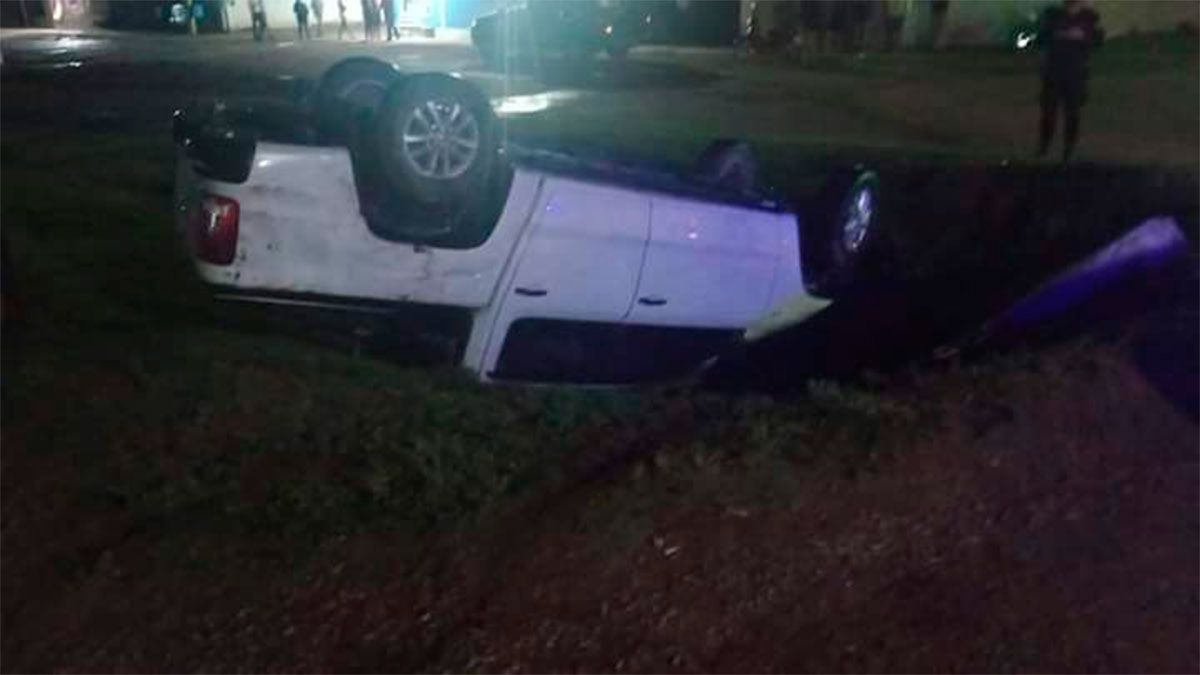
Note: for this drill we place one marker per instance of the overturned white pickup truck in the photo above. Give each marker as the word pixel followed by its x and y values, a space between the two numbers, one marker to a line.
pixel 392 195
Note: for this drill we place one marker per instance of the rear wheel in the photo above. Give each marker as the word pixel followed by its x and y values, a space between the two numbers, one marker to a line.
pixel 843 239
pixel 436 136
pixel 350 90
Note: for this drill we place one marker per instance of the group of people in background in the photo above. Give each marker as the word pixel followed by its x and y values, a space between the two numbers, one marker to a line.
pixel 841 25
pixel 1068 33
pixel 377 15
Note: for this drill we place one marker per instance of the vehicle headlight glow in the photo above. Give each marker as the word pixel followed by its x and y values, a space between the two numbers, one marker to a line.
pixel 532 103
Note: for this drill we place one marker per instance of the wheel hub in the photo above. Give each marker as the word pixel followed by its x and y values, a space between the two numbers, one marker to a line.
pixel 439 139
pixel 856 222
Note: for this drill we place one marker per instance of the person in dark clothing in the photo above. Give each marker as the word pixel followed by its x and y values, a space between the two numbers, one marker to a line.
pixel 224 7
pixel 370 12
pixel 784 32
pixel 814 24
pixel 258 20
pixel 389 19
pixel 938 9
pixel 343 26
pixel 1067 36
pixel 895 12
pixel 861 15
pixel 850 19
pixel 301 11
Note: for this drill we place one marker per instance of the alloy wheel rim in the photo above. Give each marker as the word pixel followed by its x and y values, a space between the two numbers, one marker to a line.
pixel 439 139
pixel 856 221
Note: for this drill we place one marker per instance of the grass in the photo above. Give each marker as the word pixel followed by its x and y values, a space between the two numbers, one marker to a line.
pixel 980 104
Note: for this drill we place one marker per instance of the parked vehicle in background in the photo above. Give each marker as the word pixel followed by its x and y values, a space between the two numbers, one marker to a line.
pixel 392 199
pixel 548 28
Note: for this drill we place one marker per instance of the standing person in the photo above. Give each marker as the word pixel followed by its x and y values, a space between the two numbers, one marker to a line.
pixel 850 19
pixel 370 20
pixel 861 11
pixel 1068 34
pixel 318 10
pixel 752 30
pixel 224 6
pixel 895 14
pixel 301 11
pixel 814 22
pixel 839 24
pixel 938 9
pixel 258 19
pixel 389 19
pixel 343 27
pixel 786 28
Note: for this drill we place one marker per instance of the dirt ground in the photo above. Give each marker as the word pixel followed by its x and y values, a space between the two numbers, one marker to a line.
pixel 1049 524
pixel 1062 539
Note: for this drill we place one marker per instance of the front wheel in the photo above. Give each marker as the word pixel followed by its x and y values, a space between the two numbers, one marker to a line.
pixel 437 139
pixel 843 237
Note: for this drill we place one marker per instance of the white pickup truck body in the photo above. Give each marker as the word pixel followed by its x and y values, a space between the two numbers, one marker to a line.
pixel 569 249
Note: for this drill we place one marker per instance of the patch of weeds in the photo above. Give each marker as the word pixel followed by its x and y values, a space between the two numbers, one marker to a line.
pixel 751 450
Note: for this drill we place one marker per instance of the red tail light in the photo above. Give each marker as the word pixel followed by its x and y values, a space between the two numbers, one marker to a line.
pixel 213 228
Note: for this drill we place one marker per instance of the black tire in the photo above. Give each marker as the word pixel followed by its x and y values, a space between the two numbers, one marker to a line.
pixel 840 250
pixel 458 128
pixel 350 90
